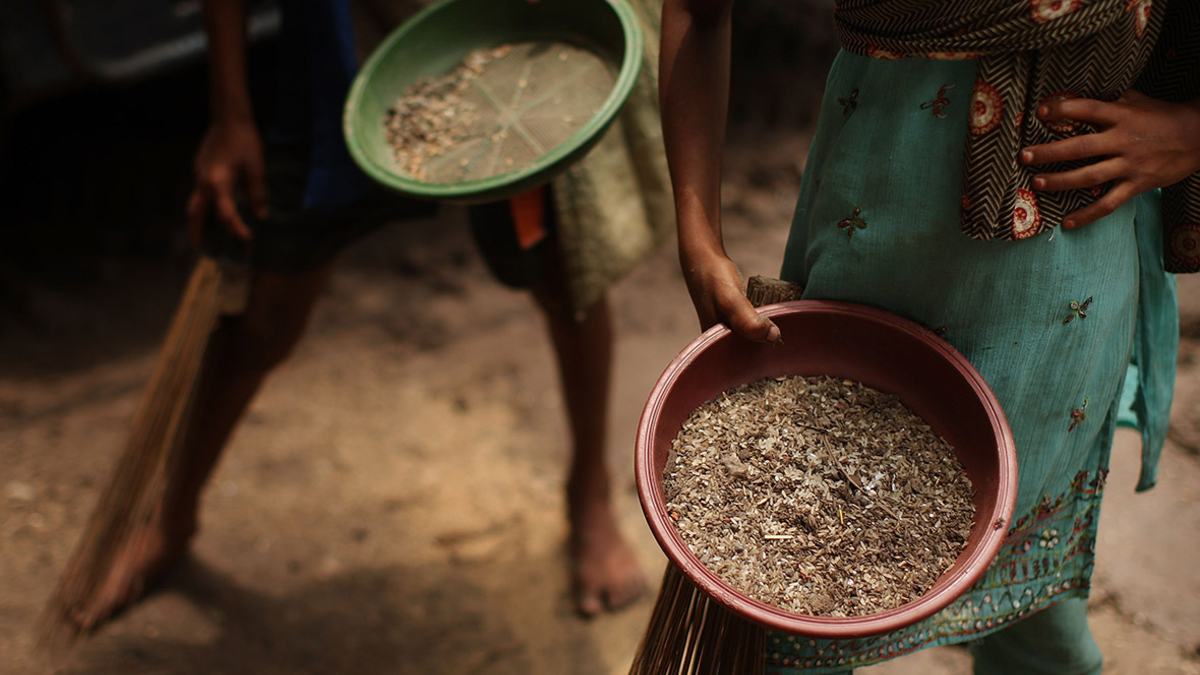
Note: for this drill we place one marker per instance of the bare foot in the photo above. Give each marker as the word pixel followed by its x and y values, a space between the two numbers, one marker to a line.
pixel 606 573
pixel 147 555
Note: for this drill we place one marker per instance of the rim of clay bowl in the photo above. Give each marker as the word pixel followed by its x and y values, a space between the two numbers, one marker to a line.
pixel 960 578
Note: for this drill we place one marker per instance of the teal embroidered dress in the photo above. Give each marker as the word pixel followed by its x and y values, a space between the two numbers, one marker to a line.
pixel 1052 321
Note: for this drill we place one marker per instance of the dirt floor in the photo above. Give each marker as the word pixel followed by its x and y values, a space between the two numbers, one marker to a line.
pixel 393 501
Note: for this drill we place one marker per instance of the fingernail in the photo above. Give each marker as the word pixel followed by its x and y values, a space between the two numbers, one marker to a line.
pixel 1069 224
pixel 773 334
pixel 1027 157
pixel 1043 111
pixel 1039 183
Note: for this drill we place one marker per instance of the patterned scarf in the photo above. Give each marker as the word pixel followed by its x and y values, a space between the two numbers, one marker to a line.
pixel 1031 52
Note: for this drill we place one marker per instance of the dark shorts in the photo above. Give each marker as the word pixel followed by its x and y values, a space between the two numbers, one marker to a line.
pixel 294 239
pixel 495 236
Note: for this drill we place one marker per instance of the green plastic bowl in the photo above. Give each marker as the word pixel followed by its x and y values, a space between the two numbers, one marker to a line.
pixel 435 41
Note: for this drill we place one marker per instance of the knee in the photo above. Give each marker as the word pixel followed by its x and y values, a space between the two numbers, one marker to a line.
pixel 263 336
pixel 554 304
pixel 258 343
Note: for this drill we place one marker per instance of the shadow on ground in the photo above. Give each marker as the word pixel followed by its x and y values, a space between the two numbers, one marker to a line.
pixel 407 620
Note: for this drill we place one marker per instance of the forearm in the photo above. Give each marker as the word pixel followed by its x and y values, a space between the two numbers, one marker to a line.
pixel 694 91
pixel 225 26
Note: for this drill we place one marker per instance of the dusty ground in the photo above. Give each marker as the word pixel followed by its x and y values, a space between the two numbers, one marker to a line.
pixel 392 503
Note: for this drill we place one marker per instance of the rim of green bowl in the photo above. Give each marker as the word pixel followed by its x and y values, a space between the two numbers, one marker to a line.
pixel 627 76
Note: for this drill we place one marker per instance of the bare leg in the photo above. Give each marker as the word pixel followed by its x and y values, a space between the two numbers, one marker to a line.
pixel 606 573
pixel 241 353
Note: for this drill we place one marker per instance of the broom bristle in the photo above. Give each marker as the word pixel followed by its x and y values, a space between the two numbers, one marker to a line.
pixel 136 491
pixel 689 633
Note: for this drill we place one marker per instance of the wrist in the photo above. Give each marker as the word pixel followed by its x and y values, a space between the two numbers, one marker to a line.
pixel 233 113
pixel 699 230
pixel 233 124
pixel 701 249
pixel 702 262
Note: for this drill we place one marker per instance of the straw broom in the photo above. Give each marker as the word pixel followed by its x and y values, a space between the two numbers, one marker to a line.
pixel 692 634
pixel 135 493
pixel 689 632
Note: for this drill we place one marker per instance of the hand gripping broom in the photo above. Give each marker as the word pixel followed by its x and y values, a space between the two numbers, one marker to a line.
pixel 689 632
pixel 137 489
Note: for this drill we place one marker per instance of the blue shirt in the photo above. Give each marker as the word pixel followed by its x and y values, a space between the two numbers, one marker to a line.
pixel 317 66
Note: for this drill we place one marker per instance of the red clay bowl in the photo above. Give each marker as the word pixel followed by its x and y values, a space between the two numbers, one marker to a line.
pixel 880 350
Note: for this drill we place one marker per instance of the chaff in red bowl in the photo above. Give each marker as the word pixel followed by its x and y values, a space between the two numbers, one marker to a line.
pixel 854 342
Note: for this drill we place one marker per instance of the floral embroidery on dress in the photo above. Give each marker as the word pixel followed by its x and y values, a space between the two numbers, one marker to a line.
pixel 986 109
pixel 1042 11
pixel 854 221
pixel 1078 309
pixel 1141 17
pixel 1049 538
pixel 1079 415
pixel 849 104
pixel 1059 126
pixel 1026 217
pixel 938 104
